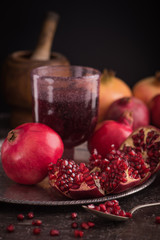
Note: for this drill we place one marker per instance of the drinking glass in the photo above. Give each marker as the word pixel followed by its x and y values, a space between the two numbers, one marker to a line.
pixel 66 99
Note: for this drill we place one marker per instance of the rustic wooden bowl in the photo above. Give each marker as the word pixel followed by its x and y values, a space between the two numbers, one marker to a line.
pixel 16 82
pixel 16 72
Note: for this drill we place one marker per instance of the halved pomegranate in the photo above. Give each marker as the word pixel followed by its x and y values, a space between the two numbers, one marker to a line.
pixel 116 173
pixel 145 140
pixel 136 160
pixel 73 180
pixel 120 170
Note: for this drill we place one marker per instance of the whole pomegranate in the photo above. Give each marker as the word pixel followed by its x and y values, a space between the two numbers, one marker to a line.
pixel 111 89
pixel 154 106
pixel 140 111
pixel 27 151
pixel 146 88
pixel 110 132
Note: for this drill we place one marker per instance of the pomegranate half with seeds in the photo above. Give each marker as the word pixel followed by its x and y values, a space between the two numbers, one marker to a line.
pixel 136 160
pixel 146 141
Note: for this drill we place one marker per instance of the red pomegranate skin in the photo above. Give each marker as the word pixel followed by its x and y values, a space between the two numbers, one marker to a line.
pixel 27 151
pixel 154 107
pixel 140 111
pixel 110 132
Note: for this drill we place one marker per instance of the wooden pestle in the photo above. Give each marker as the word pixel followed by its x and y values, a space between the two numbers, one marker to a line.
pixel 15 75
pixel 43 48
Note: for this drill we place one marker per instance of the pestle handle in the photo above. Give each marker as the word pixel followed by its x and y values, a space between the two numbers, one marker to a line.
pixel 43 49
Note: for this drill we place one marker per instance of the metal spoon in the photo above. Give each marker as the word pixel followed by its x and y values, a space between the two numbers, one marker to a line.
pixel 113 217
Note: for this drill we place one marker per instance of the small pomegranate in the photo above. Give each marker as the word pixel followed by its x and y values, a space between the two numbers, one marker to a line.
pixel 111 89
pixel 140 111
pixel 136 160
pixel 154 106
pixel 110 132
pixel 27 151
pixel 146 88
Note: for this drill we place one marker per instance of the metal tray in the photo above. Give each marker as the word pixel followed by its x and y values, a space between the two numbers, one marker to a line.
pixel 43 194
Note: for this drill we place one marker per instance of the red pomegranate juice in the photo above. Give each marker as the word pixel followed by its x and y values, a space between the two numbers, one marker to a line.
pixel 71 112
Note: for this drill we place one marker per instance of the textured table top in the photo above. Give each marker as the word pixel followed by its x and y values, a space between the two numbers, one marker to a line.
pixel 141 227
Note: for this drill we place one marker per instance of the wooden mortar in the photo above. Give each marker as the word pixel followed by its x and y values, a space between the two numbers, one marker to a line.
pixel 16 71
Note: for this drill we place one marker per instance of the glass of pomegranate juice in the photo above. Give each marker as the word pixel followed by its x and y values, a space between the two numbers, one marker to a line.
pixel 66 99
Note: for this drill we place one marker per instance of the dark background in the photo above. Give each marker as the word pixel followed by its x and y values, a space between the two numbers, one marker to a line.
pixel 116 34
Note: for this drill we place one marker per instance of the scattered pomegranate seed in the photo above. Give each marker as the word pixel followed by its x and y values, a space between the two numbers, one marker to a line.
pixel 10 228
pixel 37 222
pixel 30 215
pixel 74 225
pixel 84 225
pixel 158 219
pixel 78 233
pixel 54 232
pixel 20 216
pixel 91 224
pixel 36 231
pixel 74 215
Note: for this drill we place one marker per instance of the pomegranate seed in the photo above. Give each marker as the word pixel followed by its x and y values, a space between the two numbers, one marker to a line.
pixel 20 216
pixel 36 231
pixel 37 222
pixel 74 225
pixel 109 203
pixel 158 219
pixel 91 224
pixel 84 225
pixel 30 215
pixel 74 215
pixel 54 232
pixel 109 209
pixel 97 208
pixel 10 228
pixel 102 207
pixel 122 213
pixel 128 214
pixel 78 233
